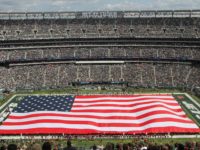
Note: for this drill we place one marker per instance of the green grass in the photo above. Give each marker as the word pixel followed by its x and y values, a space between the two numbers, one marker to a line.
pixel 5 100
pixel 195 98
pixel 73 90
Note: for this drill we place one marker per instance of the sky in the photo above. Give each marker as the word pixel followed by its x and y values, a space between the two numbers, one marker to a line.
pixel 95 5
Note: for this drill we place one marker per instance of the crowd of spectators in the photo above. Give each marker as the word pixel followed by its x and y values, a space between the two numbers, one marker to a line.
pixel 35 146
pixel 134 144
pixel 136 74
pixel 140 73
pixel 103 52
pixel 91 28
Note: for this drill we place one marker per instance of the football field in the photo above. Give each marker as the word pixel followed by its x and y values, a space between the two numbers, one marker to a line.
pixel 100 114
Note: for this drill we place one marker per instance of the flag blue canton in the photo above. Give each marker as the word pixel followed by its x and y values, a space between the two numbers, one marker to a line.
pixel 45 103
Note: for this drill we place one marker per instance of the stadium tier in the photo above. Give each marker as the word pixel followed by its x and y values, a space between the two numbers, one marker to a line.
pixel 143 49
pixel 163 24
pixel 98 114
pixel 62 75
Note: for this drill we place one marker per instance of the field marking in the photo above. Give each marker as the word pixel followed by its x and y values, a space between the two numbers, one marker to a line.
pixel 6 103
pixel 194 101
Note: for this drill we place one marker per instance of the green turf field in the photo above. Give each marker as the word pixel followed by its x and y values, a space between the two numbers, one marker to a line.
pixel 181 98
pixel 81 91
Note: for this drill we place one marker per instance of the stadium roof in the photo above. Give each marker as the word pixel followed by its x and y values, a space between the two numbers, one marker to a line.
pixel 101 14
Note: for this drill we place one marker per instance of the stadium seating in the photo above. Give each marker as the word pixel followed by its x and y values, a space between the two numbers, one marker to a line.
pixel 91 28
pixel 61 75
pixel 168 56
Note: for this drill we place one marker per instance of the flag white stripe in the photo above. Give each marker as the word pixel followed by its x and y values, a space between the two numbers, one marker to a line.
pixel 85 127
pixel 125 103
pixel 104 114
pixel 125 108
pixel 123 98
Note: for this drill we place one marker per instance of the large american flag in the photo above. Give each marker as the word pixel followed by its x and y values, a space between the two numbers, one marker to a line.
pixel 98 114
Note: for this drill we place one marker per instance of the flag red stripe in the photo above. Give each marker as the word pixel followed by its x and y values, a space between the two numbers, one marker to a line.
pixel 170 129
pixel 98 124
pixel 97 117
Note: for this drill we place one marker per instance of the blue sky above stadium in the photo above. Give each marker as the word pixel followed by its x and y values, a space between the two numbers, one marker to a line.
pixel 91 5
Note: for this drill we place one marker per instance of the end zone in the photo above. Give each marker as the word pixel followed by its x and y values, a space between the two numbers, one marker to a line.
pixel 190 106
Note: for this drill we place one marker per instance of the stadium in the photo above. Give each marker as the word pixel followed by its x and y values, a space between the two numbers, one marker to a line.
pixel 100 76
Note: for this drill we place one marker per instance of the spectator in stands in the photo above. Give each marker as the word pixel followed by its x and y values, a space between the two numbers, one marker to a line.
pixel 198 145
pixel 12 147
pixel 46 146
pixel 94 147
pixel 109 146
pixel 164 147
pixel 119 146
pixel 180 147
pixel 126 146
pixel 3 147
pixel 154 147
pixel 36 147
pixel 69 146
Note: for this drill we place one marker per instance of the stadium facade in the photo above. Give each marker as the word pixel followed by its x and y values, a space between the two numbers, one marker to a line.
pixel 140 48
